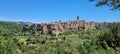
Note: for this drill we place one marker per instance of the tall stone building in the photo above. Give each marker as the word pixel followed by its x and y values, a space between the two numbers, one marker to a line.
pixel 78 18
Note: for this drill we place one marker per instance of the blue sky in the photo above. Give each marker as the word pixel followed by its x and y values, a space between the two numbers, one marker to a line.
pixel 54 10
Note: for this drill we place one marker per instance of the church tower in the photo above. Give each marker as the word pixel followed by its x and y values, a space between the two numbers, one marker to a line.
pixel 78 18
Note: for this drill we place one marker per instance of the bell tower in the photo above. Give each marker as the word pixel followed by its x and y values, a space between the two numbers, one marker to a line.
pixel 78 18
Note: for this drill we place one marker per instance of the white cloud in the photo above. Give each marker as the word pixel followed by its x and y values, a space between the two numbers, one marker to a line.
pixel 20 19
pixel 2 18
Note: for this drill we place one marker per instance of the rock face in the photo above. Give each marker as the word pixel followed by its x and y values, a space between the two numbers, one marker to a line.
pixel 59 27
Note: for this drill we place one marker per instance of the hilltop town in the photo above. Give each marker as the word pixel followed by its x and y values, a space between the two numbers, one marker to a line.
pixel 59 27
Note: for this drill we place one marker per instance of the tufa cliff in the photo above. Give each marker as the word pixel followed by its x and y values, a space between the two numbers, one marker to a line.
pixel 59 27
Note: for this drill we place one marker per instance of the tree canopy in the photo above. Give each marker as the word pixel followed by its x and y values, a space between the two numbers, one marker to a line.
pixel 113 4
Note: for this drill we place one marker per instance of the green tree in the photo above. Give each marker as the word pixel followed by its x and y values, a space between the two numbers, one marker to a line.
pixel 113 4
pixel 7 46
pixel 111 38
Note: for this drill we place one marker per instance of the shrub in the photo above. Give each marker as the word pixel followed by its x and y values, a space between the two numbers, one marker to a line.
pixel 111 37
pixel 21 41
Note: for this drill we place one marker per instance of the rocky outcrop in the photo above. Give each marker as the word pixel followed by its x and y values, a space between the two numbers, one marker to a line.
pixel 59 27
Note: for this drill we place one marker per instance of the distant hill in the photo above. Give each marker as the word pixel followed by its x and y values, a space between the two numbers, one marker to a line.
pixel 19 22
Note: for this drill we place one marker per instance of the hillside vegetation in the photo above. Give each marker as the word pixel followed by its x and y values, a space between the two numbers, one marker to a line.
pixel 92 41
